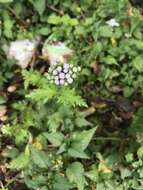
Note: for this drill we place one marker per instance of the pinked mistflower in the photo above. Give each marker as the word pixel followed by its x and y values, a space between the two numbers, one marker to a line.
pixel 62 74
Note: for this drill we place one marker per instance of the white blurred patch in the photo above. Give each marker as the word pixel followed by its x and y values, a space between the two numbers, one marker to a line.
pixel 22 51
pixel 56 53
pixel 113 23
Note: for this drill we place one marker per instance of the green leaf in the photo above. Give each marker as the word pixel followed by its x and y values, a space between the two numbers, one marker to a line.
pixel 60 183
pixel 69 97
pixel 129 157
pixel 42 94
pixel 80 140
pixel 105 31
pixel 92 174
pixel 6 1
pixel 77 153
pixel 138 63
pixel 75 174
pixel 137 122
pixel 125 173
pixel 35 181
pixel 8 26
pixel 39 5
pixel 20 162
pixel 39 158
pixel 31 78
pixel 140 152
pixel 53 19
pixel 128 91
pixel 109 60
pixel 44 31
pixel 55 138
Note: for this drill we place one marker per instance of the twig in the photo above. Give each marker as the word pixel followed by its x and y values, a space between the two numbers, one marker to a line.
pixel 12 180
pixel 14 14
pixel 55 10
pixel 109 138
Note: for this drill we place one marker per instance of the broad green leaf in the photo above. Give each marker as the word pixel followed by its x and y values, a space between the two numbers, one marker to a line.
pixel 60 183
pixel 128 91
pixel 136 125
pixel 53 19
pixel 20 162
pixel 39 5
pixel 6 1
pixel 105 31
pixel 8 26
pixel 75 174
pixel 109 60
pixel 125 172
pixel 129 157
pixel 36 181
pixel 80 140
pixel 77 153
pixel 140 152
pixel 39 158
pixel 93 175
pixel 55 138
pixel 138 63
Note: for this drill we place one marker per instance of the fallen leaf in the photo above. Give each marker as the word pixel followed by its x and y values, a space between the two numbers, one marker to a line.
pixel 11 88
pixel 3 111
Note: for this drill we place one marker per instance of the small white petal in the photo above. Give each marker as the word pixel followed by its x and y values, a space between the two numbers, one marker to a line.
pixel 112 23
pixel 79 68
pixel 70 72
pixel 55 72
pixel 62 81
pixel 65 70
pixel 71 66
pixel 68 76
pixel 66 65
pixel 128 35
pixel 62 75
pixel 59 68
pixel 57 82
pixel 56 78
pixel 74 76
pixel 66 84
pixel 48 77
pixel 75 69
pixel 69 80
pixel 50 69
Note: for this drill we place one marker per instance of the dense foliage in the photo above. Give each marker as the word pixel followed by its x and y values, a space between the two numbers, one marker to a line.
pixel 87 135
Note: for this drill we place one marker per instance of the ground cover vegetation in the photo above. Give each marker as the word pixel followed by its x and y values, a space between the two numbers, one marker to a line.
pixel 82 129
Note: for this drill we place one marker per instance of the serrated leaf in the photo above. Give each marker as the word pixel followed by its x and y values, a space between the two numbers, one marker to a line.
pixel 75 174
pixel 77 153
pixel 43 95
pixel 140 152
pixel 39 5
pixel 80 140
pixel 138 63
pixel 20 162
pixel 39 158
pixel 61 183
pixel 69 97
pixel 55 138
pixel 93 174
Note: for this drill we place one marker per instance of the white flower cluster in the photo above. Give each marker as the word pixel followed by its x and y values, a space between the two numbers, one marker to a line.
pixel 62 74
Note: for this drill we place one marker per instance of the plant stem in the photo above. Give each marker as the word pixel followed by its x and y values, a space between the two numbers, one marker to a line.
pixel 109 138
pixel 55 10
